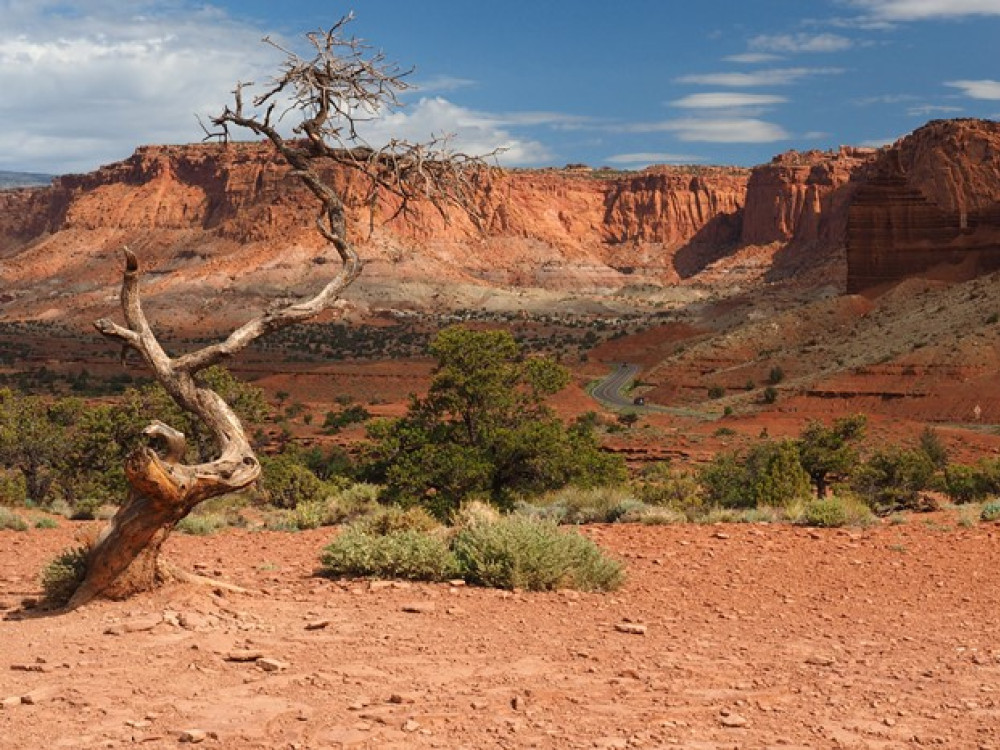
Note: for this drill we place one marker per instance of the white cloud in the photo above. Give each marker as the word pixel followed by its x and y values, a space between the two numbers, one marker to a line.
pixel 85 87
pixel 727 100
pixel 474 132
pixel 795 43
pixel 984 89
pixel 652 157
pixel 752 58
pixel 885 99
pixel 442 84
pixel 926 110
pixel 879 142
pixel 716 130
pixel 767 77
pixel 918 10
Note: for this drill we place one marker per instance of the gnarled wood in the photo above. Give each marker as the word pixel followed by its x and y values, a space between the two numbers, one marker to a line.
pixel 331 91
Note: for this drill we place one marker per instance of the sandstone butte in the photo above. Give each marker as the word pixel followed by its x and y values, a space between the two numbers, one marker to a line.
pixel 213 217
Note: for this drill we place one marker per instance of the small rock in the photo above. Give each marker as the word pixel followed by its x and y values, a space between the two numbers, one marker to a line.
pixel 733 721
pixel 517 703
pixel 317 624
pixel 244 655
pixel 410 725
pixel 720 535
pixel 272 665
pixel 142 624
pixel 193 621
pixel 11 701
pixel 419 608
pixel 194 736
pixel 138 723
pixel 38 695
pixel 478 705
pixel 633 628
pixel 38 667
pixel 379 585
pixel 821 661
pixel 457 582
pixel 399 698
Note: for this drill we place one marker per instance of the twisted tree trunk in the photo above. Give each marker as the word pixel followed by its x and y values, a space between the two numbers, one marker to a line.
pixel 343 84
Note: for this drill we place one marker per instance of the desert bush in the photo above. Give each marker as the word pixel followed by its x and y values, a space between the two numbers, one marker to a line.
pixel 894 479
pixel 591 505
pixel 473 513
pixel 13 491
pixel 63 576
pixel 653 515
pixel 201 524
pixel 407 554
pixel 725 481
pixel 394 519
pixel 990 511
pixel 519 552
pixel 45 522
pixel 965 484
pixel 286 481
pixel 12 521
pixel 775 474
pixel 838 510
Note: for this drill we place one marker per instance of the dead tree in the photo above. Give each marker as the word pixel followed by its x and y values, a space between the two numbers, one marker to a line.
pixel 332 92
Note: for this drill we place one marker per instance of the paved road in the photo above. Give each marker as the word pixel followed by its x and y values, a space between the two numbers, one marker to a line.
pixel 609 390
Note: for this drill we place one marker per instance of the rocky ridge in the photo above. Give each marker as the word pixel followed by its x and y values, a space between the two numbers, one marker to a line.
pixel 224 227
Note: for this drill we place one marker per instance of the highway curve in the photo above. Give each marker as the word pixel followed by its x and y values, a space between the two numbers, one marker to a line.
pixel 609 390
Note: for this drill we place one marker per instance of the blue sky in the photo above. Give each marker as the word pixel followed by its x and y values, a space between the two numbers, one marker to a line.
pixel 623 84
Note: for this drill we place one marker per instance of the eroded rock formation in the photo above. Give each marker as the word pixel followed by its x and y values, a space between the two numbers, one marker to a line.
pixel 210 218
pixel 929 205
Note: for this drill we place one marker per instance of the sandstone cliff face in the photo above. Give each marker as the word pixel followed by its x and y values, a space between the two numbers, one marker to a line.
pixel 929 205
pixel 227 227
pixel 801 197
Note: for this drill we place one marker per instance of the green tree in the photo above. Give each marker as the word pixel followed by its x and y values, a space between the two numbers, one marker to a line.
pixel 826 451
pixel 893 479
pixel 775 473
pixel 484 429
pixel 34 440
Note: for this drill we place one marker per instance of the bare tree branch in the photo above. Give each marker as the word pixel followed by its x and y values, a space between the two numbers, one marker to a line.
pixel 339 87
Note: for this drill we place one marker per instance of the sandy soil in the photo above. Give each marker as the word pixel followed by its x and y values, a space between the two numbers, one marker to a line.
pixel 753 637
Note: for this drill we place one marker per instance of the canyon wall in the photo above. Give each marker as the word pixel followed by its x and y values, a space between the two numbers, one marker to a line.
pixel 929 205
pixel 227 226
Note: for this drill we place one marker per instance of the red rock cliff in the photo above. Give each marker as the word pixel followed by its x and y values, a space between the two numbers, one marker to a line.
pixel 929 205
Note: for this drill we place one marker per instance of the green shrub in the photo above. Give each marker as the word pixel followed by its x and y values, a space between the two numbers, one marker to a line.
pixel 519 552
pixel 11 520
pixel 287 481
pixel 776 476
pixel 965 484
pixel 13 490
pixel 725 481
pixel 577 505
pixel 63 576
pixel 201 524
pixel 894 479
pixel 829 512
pixel 393 519
pixel 991 511
pixel 86 509
pixel 45 522
pixel 776 375
pixel 769 395
pixel 407 554
pixel 716 391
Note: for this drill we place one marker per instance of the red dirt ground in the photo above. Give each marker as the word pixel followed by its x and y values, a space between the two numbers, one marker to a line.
pixel 755 637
